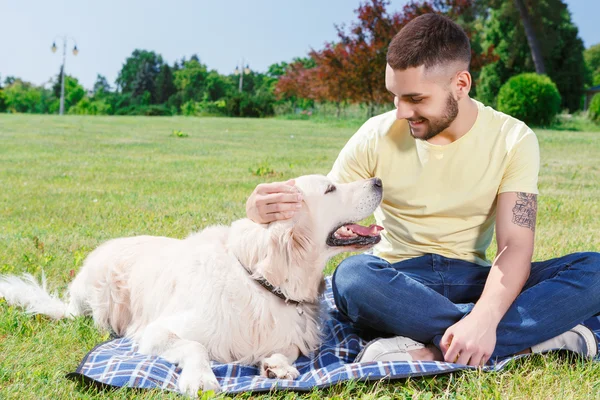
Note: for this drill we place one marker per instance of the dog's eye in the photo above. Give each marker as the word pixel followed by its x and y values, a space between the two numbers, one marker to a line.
pixel 330 189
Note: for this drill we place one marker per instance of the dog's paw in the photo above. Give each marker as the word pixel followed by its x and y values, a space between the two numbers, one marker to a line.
pixel 192 380
pixel 277 367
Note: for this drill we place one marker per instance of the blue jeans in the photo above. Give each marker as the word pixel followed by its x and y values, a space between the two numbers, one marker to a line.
pixel 422 297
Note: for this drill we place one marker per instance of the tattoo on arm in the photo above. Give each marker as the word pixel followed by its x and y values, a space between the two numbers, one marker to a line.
pixel 525 210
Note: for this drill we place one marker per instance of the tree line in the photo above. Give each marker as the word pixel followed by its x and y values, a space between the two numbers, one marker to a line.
pixel 507 37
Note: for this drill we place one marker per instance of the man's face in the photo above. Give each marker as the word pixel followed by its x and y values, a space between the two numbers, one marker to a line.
pixel 423 98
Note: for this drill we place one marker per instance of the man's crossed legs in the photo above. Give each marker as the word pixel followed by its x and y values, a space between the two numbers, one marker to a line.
pixel 422 297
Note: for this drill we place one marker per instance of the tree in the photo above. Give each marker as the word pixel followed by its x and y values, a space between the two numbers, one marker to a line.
pixel 217 86
pixel 2 99
pixel 190 80
pixel 143 88
pixel 9 80
pixel 333 61
pixel 23 97
pixel 165 85
pixel 562 50
pixel 592 60
pixel 74 92
pixel 277 70
pixel 353 68
pixel 138 71
pixel 56 87
pixel 534 45
pixel 101 86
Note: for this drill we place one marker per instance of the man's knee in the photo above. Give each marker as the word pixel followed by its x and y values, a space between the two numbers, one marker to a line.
pixel 352 277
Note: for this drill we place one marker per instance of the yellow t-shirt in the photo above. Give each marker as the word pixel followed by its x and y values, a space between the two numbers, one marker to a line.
pixel 441 199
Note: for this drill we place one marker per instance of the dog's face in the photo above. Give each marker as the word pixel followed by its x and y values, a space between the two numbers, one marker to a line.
pixel 331 212
pixel 293 252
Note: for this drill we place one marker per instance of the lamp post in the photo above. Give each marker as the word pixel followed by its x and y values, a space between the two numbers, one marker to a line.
pixel 241 71
pixel 62 70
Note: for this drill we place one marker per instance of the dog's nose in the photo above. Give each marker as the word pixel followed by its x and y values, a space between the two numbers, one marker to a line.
pixel 377 182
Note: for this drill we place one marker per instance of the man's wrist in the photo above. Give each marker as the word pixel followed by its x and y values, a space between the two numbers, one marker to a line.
pixel 486 312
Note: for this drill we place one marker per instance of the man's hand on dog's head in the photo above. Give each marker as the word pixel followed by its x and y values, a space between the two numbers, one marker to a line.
pixel 273 201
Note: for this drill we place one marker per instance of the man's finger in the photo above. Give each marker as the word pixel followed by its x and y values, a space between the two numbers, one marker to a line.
pixel 282 198
pixel 475 360
pixel 464 356
pixel 277 216
pixel 452 354
pixel 282 207
pixel 277 187
pixel 445 342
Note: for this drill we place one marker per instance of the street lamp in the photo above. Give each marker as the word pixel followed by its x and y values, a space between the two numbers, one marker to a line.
pixel 62 70
pixel 241 71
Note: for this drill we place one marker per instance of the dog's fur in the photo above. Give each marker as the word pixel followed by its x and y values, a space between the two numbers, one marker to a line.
pixel 193 300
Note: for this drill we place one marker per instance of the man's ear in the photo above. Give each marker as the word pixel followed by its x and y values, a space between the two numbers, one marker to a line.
pixel 463 82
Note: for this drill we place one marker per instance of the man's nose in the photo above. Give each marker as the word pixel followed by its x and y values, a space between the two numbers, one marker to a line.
pixel 403 111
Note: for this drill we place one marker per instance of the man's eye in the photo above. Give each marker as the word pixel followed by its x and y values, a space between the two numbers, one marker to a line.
pixel 413 100
pixel 330 188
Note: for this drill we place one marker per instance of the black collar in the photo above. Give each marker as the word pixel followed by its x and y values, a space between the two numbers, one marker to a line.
pixel 273 289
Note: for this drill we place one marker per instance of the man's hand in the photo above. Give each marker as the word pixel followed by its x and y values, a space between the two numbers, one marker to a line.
pixel 273 201
pixel 470 341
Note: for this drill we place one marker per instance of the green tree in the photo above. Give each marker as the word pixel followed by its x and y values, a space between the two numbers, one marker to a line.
pixel 74 92
pixel 101 87
pixel 217 86
pixel 277 70
pixel 592 60
pixel 165 84
pixel 139 71
pixel 562 49
pixel 2 99
pixel 190 80
pixel 23 97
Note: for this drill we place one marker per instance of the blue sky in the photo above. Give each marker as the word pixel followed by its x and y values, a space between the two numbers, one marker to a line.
pixel 221 32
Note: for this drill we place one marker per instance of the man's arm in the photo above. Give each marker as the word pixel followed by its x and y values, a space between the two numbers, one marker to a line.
pixel 472 340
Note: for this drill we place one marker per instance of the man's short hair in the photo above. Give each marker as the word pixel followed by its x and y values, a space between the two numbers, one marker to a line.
pixel 430 40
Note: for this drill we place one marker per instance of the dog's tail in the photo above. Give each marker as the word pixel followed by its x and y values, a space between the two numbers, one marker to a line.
pixel 26 292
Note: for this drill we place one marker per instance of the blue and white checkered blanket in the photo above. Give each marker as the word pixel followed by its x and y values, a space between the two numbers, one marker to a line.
pixel 117 363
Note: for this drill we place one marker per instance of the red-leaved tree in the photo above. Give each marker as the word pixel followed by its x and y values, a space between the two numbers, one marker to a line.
pixel 353 69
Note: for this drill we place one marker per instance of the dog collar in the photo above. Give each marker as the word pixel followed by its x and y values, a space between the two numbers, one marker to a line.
pixel 274 290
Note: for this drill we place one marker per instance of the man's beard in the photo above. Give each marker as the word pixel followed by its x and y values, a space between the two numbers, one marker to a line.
pixel 440 124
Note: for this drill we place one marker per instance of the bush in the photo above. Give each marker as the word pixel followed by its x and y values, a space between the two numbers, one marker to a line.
pixel 87 106
pixel 594 109
pixel 204 108
pixel 531 98
pixel 246 105
pixel 147 110
pixel 2 101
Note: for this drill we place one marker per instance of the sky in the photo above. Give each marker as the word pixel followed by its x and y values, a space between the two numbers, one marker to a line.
pixel 221 32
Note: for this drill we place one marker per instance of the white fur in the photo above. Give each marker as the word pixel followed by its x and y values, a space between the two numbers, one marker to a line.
pixel 192 300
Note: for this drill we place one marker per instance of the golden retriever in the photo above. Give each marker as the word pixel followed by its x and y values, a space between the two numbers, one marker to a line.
pixel 245 293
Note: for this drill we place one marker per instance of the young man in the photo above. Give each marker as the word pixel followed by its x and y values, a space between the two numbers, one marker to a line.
pixel 452 169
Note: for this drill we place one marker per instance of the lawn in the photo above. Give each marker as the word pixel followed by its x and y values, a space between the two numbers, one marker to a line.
pixel 70 183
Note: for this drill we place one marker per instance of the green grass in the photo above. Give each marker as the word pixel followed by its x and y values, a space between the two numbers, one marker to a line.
pixel 68 184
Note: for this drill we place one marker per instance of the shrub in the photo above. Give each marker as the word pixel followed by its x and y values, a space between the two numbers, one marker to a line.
pixel 531 98
pixel 594 109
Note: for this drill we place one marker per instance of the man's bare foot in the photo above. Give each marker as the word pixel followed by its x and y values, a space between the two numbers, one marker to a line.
pixel 428 353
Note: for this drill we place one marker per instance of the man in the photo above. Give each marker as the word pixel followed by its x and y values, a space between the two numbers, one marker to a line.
pixel 452 169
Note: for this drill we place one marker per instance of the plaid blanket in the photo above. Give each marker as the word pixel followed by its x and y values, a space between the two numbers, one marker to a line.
pixel 116 363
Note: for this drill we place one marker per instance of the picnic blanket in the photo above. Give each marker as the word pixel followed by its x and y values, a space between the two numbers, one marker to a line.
pixel 116 363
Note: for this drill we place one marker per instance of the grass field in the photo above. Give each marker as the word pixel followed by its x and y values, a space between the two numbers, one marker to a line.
pixel 70 183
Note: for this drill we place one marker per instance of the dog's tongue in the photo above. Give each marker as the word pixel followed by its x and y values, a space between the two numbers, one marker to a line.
pixel 372 230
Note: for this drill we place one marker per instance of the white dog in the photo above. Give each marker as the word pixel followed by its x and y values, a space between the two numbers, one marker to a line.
pixel 246 293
